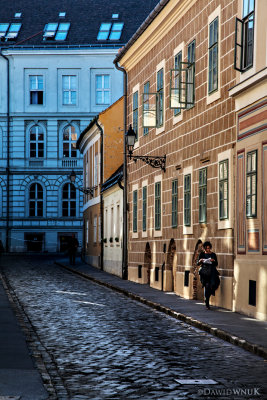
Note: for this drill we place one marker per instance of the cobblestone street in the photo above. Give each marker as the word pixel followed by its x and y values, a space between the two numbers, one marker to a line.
pixel 102 345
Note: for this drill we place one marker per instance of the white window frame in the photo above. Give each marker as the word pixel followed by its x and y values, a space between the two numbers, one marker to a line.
pixel 226 223
pixel 216 94
pixel 35 200
pixel 69 141
pixel 37 89
pixel 135 235
pixel 27 145
pixel 136 88
pixel 160 66
pixel 178 49
pixel 103 90
pixel 158 233
pixel 35 72
pixel 69 90
pixel 69 200
pixel 95 228
pixel 188 230
pixel 145 233
pixel 96 169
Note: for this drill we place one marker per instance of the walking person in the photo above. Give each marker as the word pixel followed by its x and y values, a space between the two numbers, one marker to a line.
pixel 73 246
pixel 209 275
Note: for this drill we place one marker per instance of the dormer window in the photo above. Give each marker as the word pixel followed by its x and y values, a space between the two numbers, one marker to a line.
pixel 18 15
pixel 56 31
pixel 115 16
pixel 62 15
pixel 110 31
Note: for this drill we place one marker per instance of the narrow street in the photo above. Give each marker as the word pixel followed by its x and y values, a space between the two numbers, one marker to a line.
pixel 102 345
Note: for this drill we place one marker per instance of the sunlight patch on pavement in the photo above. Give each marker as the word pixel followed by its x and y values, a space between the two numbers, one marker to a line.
pixel 66 292
pixel 196 381
pixel 88 302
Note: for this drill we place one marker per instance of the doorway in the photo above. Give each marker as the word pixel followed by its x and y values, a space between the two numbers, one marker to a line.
pixel 34 242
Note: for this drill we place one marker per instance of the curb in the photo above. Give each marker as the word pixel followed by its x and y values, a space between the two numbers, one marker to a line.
pixel 221 334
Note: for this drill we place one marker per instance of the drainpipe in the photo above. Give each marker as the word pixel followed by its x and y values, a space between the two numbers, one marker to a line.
pixel 8 153
pixel 101 195
pixel 125 228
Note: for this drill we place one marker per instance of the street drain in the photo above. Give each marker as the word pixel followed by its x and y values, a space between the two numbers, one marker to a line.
pixel 196 381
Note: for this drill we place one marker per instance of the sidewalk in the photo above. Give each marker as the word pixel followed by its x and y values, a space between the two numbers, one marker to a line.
pixel 19 378
pixel 238 329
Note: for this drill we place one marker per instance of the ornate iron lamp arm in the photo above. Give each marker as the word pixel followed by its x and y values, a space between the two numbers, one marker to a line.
pixel 153 161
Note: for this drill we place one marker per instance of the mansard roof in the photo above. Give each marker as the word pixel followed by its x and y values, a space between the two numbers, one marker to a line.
pixel 84 16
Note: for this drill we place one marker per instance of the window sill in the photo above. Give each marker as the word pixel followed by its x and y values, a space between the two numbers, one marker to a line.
pixel 144 234
pixel 177 118
pixel 213 96
pixel 187 230
pixel 225 224
pixel 135 235
pixel 160 130
pixel 157 233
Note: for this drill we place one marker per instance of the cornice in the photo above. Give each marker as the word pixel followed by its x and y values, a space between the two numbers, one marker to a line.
pixel 159 28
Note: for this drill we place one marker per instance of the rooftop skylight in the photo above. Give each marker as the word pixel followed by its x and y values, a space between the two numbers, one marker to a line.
pixel 9 31
pixel 104 31
pixel 3 29
pixel 110 31
pixel 17 15
pixel 57 31
pixel 115 16
pixel 62 31
pixel 116 31
pixel 62 14
pixel 50 30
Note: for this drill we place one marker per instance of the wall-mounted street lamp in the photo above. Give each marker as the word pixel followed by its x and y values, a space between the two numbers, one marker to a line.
pixel 89 190
pixel 153 161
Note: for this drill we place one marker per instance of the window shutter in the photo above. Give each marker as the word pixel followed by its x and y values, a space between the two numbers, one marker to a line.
pixel 238 44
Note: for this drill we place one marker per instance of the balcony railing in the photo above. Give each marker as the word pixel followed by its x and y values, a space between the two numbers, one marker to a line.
pixel 70 163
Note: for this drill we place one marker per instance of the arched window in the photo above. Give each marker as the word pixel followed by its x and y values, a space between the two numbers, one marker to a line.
pixel 69 142
pixel 36 200
pixel 36 142
pixel 69 200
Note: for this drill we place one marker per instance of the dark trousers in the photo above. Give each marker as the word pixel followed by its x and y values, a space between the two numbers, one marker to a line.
pixel 72 255
pixel 207 294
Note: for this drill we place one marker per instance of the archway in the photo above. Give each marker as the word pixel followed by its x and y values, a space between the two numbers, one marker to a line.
pixel 147 261
pixel 172 263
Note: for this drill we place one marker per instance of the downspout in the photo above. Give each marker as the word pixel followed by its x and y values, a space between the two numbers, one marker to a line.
pixel 8 153
pixel 101 195
pixel 125 227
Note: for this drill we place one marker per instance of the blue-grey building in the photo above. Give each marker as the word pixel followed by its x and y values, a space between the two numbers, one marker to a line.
pixel 56 74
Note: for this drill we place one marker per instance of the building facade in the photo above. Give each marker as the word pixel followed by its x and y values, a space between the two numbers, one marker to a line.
pixel 249 93
pixel 101 145
pixel 112 190
pixel 180 66
pixel 56 74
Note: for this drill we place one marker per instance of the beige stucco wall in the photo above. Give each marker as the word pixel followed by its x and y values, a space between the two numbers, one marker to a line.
pixel 113 198
pixel 250 269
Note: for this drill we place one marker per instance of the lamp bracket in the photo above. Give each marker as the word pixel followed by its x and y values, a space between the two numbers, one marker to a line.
pixel 153 161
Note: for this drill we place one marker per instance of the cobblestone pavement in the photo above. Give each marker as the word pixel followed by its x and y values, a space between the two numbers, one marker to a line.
pixel 97 344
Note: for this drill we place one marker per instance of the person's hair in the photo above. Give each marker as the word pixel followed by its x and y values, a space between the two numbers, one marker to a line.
pixel 206 244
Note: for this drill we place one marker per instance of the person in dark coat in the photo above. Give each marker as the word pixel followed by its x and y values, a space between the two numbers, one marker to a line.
pixel 209 275
pixel 73 246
